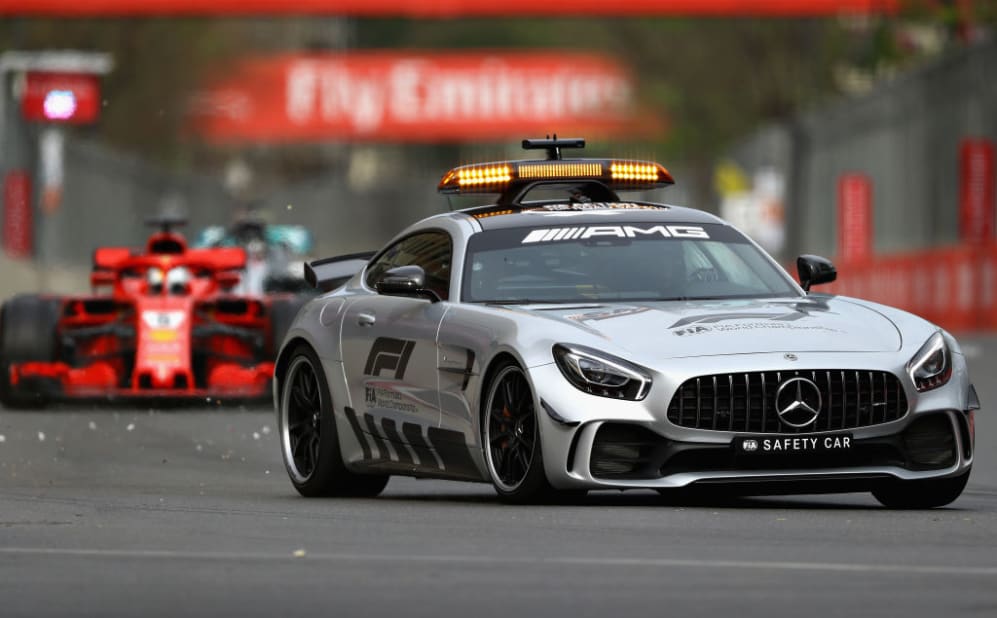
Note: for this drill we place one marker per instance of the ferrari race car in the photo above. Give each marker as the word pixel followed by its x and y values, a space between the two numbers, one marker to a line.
pixel 161 322
pixel 580 341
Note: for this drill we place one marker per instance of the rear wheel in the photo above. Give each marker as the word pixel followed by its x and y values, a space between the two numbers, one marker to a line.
pixel 27 334
pixel 925 494
pixel 511 438
pixel 309 442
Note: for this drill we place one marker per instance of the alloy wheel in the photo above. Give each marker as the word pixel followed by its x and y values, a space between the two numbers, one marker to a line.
pixel 302 419
pixel 510 429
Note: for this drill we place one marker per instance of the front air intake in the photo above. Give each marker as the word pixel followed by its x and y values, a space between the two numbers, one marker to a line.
pixel 625 451
pixel 930 442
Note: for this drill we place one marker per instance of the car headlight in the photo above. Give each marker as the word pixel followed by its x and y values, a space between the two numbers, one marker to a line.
pixel 601 374
pixel 931 367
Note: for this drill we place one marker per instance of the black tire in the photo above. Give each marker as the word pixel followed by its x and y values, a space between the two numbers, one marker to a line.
pixel 282 314
pixel 27 334
pixel 510 438
pixel 926 494
pixel 309 443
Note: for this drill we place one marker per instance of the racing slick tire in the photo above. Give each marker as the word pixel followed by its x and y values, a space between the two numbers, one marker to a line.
pixel 925 494
pixel 308 437
pixel 511 439
pixel 27 334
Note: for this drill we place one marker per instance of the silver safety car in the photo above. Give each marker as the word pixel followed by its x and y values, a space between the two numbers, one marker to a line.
pixel 563 339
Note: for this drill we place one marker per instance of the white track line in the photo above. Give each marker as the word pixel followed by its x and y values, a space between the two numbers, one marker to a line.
pixel 843 567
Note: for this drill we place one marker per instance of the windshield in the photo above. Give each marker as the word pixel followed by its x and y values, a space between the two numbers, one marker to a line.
pixel 638 261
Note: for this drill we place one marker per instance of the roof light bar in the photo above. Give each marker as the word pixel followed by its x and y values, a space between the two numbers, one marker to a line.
pixel 633 170
pixel 559 170
pixel 475 176
pixel 499 176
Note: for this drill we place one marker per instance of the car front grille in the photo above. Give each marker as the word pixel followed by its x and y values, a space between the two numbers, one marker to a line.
pixel 746 402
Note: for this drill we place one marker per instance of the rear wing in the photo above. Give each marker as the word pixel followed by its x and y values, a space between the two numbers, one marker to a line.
pixel 330 273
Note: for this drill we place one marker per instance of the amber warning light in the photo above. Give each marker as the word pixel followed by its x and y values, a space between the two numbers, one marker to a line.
pixel 620 175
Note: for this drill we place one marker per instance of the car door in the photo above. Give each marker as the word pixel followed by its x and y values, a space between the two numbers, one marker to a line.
pixel 390 356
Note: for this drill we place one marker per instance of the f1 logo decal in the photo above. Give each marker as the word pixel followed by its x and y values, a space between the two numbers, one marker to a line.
pixel 389 354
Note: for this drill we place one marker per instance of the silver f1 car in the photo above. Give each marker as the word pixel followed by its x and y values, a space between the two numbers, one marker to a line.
pixel 578 341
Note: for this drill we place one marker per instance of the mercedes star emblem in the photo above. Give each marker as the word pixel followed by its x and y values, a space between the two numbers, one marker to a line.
pixel 798 402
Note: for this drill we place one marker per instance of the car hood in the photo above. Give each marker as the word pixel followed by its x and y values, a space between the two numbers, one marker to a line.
pixel 702 328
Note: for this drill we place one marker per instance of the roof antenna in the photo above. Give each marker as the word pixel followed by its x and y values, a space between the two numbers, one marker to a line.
pixel 553 145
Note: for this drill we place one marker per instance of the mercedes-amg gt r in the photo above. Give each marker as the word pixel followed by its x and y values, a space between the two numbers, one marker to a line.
pixel 578 341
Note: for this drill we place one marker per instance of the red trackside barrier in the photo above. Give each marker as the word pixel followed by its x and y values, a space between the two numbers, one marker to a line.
pixel 955 287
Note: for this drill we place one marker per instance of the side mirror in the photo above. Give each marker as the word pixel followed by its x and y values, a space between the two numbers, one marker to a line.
pixel 405 281
pixel 228 279
pixel 814 270
pixel 102 277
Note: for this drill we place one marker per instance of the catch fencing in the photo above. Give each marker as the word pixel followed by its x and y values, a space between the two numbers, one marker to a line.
pixel 905 137
pixel 108 196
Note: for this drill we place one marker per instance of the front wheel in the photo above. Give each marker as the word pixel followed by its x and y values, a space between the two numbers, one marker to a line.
pixel 28 326
pixel 511 438
pixel 308 438
pixel 925 494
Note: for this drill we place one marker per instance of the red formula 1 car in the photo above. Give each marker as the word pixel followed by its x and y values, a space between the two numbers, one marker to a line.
pixel 161 322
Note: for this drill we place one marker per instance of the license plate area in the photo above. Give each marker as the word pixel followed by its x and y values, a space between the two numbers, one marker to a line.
pixel 795 446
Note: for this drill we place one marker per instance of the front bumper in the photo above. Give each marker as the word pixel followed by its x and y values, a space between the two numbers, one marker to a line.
pixel 598 443
pixel 598 460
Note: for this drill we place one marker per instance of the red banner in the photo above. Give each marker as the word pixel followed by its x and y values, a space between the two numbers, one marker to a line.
pixel 61 97
pixel 954 287
pixel 854 217
pixel 976 191
pixel 448 8
pixel 429 97
pixel 17 220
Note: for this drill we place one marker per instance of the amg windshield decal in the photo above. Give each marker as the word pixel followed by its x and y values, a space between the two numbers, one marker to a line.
pixel 613 231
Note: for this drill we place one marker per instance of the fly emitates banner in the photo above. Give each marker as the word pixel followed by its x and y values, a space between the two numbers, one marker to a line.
pixel 413 97
pixel 450 8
